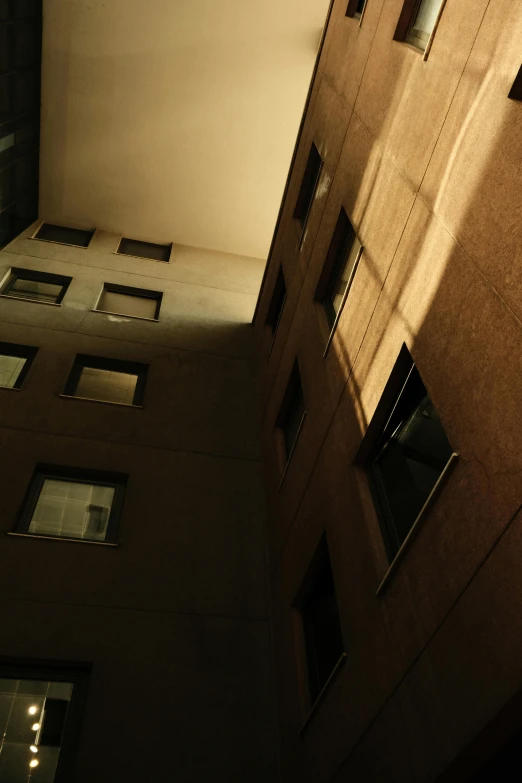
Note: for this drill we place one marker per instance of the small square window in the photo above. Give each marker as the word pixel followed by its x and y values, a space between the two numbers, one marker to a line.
pixel 317 606
pixel 40 712
pixel 133 302
pixel 417 22
pixel 63 235
pixel 107 380
pixel 408 452
pixel 72 504
pixel 516 90
pixel 308 187
pixel 134 247
pixel 339 269
pixel 15 361
pixel 292 413
pixel 277 303
pixel 355 8
pixel 35 286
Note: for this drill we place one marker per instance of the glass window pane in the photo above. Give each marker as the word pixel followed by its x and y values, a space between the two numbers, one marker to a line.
pixel 10 369
pixel 32 719
pixel 340 284
pixel 125 304
pixel 72 510
pixel 107 385
pixel 424 22
pixel 134 247
pixel 34 289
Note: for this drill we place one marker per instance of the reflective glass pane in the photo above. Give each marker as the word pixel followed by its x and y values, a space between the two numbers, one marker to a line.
pixel 72 510
pixel 107 385
pixel 10 369
pixel 34 289
pixel 125 304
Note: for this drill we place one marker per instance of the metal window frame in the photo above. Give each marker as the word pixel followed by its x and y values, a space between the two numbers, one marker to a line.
pixel 143 293
pixel 17 273
pixel 77 475
pixel 82 361
pixel 27 352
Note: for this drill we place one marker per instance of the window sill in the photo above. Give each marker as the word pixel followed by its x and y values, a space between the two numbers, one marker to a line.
pixel 62 538
pixel 56 242
pixel 141 258
pixel 326 687
pixel 103 402
pixel 292 451
pixel 414 528
pixel 122 315
pixel 27 299
pixel 11 388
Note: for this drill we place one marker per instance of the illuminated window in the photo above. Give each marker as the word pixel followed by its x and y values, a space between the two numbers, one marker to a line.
pixel 107 380
pixel 73 504
pixel 133 302
pixel 35 286
pixel 15 361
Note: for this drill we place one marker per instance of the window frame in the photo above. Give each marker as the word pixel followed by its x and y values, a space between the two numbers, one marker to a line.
pixel 166 246
pixel 371 446
pixel 299 214
pixel 27 352
pixel 16 273
pixel 125 290
pixel 44 471
pixel 284 455
pixel 318 563
pixel 341 244
pixel 407 17
pixel 82 361
pixel 275 314
pixel 77 673
pixel 351 10
pixel 67 228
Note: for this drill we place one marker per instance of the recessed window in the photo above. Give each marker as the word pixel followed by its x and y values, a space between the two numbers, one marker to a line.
pixel 15 361
pixel 134 247
pixel 516 91
pixel 107 380
pixel 339 268
pixel 277 303
pixel 317 605
pixel 40 713
pixel 73 504
pixel 35 286
pixel 355 8
pixel 308 186
pixel 133 302
pixel 292 413
pixel 63 235
pixel 417 22
pixel 409 452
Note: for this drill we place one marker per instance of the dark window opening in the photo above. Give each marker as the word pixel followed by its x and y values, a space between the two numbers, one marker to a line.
pixel 63 235
pixel 308 186
pixel 133 302
pixel 15 361
pixel 339 268
pixel 408 458
pixel 355 8
pixel 516 90
pixel 73 504
pixel 134 247
pixel 35 286
pixel 417 22
pixel 277 302
pixel 292 412
pixel 107 380
pixel 317 604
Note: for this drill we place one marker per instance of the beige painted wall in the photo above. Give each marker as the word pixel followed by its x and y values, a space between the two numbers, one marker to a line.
pixel 174 120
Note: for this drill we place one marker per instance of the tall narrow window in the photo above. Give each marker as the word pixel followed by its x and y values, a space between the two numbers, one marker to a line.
pixel 107 380
pixel 417 22
pixel 63 235
pixel 339 268
pixel 516 90
pixel 308 186
pixel 409 453
pixel 292 412
pixel 317 605
pixel 15 361
pixel 35 286
pixel 277 302
pixel 355 8
pixel 151 250
pixel 72 503
pixel 128 301
pixel 40 714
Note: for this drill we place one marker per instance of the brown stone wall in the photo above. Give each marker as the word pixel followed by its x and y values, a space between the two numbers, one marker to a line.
pixel 425 157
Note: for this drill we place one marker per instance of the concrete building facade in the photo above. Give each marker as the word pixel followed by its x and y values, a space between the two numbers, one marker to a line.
pixel 169 621
pixel 419 147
